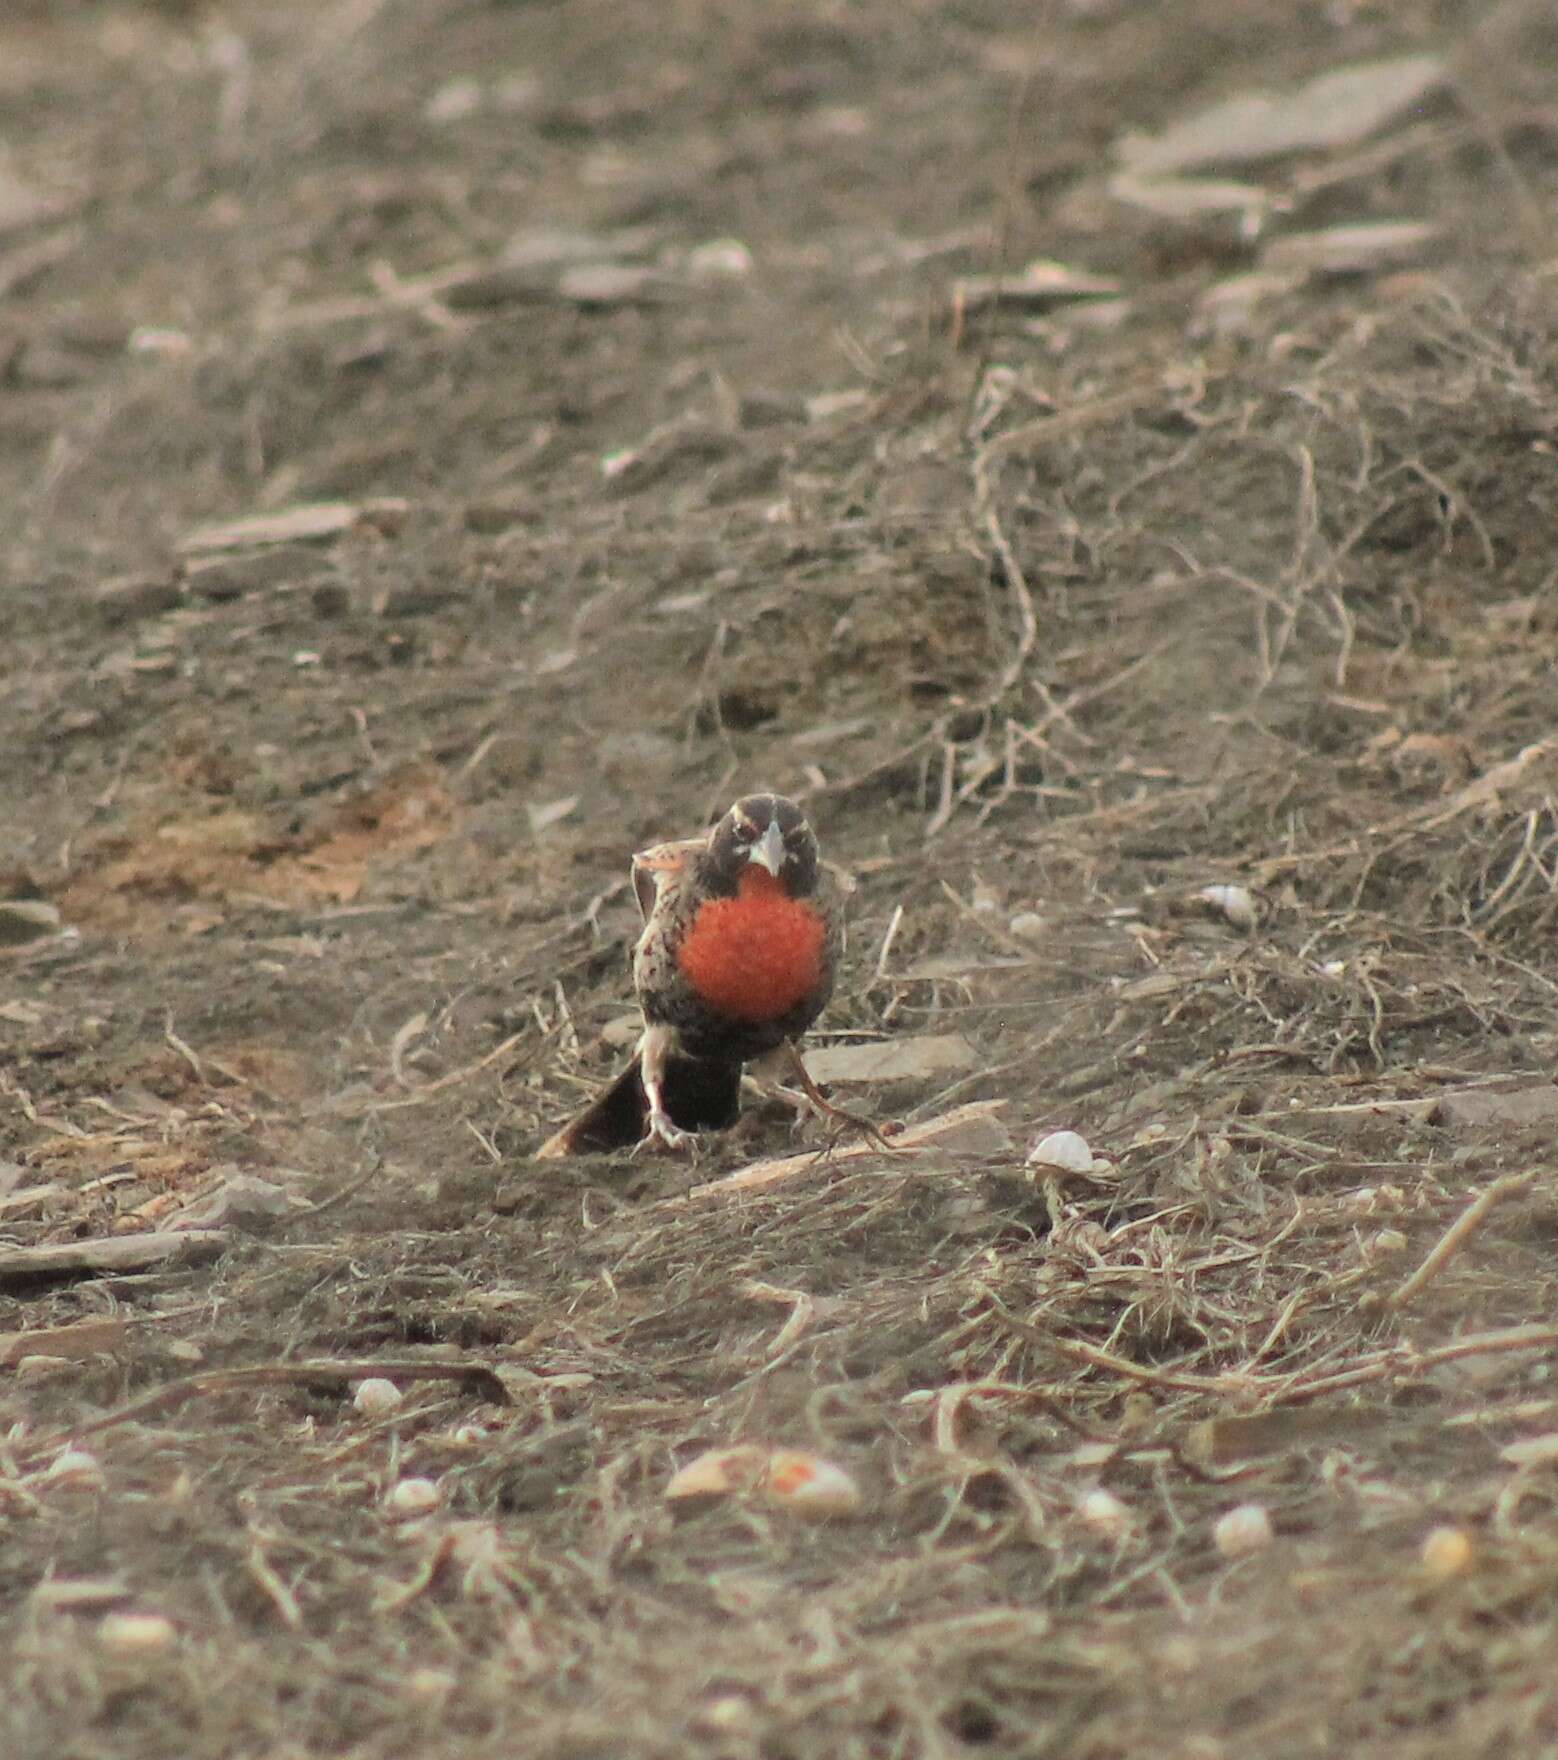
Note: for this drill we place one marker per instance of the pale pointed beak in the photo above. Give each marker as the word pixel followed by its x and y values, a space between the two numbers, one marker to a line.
pixel 768 851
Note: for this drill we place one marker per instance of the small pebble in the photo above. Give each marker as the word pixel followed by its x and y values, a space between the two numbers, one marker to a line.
pixel 413 1497
pixel 435 1684
pixel 41 1368
pixel 135 1634
pixel 1446 1552
pixel 726 1714
pixel 375 1396
pixel 1243 1530
pixel 718 258
pixel 1105 1514
pixel 1028 925
pixel 1236 904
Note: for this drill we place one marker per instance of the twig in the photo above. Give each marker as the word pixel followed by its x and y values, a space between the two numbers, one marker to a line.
pixel 1405 1360
pixel 1458 1233
pixel 112 1255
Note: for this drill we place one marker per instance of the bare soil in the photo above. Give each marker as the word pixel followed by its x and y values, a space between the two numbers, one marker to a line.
pixel 668 445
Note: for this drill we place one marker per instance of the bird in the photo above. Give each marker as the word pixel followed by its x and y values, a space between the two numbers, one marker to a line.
pixel 743 932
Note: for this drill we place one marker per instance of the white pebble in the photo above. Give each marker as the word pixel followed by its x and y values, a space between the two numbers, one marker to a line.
pixel 1065 1150
pixel 1243 1530
pixel 74 1467
pixel 1446 1552
pixel 431 1684
pixel 1235 903
pixel 375 1396
pixel 719 257
pixel 135 1634
pixel 726 1714
pixel 1105 1514
pixel 1028 925
pixel 413 1497
pixel 41 1368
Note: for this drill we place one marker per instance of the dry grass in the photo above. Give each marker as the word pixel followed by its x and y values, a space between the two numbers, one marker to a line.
pixel 1271 609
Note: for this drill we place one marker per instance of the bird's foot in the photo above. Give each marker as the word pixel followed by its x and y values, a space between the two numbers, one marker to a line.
pixel 841 1124
pixel 662 1134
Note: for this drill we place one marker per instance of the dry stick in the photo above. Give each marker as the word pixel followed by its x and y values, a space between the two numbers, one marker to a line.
pixel 1405 1360
pixel 1397 1360
pixel 338 1371
pixel 1458 1233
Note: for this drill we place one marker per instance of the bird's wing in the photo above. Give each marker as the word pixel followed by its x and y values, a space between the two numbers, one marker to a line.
pixel 661 863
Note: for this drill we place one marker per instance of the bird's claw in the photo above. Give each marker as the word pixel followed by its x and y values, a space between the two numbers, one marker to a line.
pixel 661 1133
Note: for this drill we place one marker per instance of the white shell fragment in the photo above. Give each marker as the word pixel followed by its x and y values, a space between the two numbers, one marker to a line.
pixel 717 1473
pixel 1105 1514
pixel 1446 1552
pixel 376 1395
pixel 807 1485
pixel 1243 1530
pixel 1066 1151
pixel 135 1634
pixel 788 1479
pixel 413 1497
pixel 75 1468
pixel 1235 904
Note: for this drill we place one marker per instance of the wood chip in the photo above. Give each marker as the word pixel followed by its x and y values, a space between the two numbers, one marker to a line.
pixel 1350 250
pixel 310 523
pixel 972 1130
pixel 1530 1108
pixel 81 1338
pixel 892 1060
pixel 111 1256
pixel 1336 110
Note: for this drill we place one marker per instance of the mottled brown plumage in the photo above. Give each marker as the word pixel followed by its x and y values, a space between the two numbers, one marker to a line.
pixel 743 931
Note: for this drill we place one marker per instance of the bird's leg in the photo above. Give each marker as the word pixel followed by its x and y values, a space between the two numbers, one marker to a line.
pixel 842 1120
pixel 654 1051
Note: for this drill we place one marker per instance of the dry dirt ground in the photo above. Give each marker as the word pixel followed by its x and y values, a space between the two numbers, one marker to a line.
pixel 656 434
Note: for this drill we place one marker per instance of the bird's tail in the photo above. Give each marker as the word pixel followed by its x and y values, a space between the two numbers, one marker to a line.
pixel 700 1095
